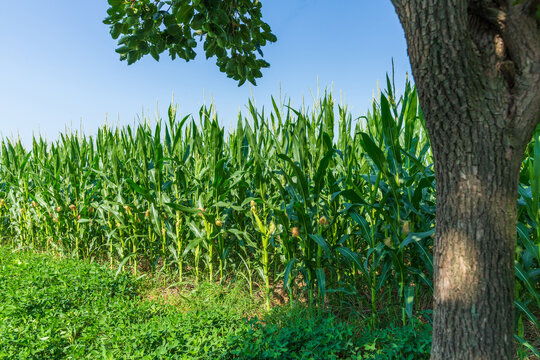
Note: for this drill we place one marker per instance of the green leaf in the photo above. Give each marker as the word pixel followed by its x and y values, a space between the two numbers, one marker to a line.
pixel 321 242
pixel 529 284
pixel 185 13
pixel 350 256
pixel 373 151
pixel 321 282
pixel 415 237
pixel 522 341
pixel 123 50
pixel 288 269
pixel 409 301
pixel 141 191
pixel 321 171
pixel 182 208
pixel 523 308
pixel 302 182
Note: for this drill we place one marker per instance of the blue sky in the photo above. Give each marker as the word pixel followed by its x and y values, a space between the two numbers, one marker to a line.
pixel 58 67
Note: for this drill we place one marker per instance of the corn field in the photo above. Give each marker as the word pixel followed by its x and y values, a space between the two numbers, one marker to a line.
pixel 312 203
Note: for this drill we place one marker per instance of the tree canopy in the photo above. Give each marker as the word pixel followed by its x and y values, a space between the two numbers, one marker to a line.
pixel 231 30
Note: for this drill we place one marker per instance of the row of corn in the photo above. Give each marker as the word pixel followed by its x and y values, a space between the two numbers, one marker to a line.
pixel 307 202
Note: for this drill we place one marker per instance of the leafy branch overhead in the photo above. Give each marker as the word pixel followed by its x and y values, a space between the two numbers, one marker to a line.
pixel 231 30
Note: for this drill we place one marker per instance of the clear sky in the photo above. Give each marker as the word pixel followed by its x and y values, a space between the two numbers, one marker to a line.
pixel 58 67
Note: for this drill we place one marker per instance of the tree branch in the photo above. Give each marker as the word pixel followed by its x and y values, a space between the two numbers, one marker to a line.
pixel 489 12
pixel 522 39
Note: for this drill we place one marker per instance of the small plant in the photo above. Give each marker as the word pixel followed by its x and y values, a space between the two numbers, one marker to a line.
pixel 56 308
pixel 410 342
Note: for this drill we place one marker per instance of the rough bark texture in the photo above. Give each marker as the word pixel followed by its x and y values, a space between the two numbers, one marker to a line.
pixel 477 68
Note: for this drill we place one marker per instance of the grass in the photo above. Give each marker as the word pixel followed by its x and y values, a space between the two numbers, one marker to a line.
pixel 54 308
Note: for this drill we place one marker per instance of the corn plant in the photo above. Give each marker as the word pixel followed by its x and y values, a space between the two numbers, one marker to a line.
pixel 317 203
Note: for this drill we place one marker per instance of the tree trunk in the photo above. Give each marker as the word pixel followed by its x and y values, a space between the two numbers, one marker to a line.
pixel 474 244
pixel 477 68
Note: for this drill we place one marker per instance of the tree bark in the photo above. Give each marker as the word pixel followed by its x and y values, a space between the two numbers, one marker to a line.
pixel 477 68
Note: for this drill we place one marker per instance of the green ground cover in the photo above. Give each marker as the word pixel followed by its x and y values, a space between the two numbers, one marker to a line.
pixel 53 308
